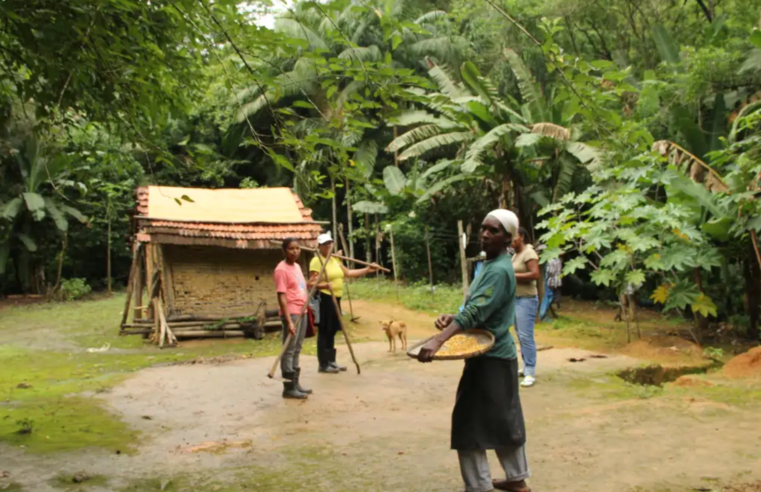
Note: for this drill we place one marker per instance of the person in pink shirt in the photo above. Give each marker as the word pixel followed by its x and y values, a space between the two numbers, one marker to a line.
pixel 292 296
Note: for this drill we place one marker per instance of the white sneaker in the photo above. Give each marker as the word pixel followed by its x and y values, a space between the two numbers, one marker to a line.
pixel 528 381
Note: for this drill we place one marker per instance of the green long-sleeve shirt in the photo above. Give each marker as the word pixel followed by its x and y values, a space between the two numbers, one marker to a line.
pixel 490 305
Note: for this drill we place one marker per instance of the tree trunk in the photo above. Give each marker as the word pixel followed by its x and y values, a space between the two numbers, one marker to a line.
pixel 350 229
pixel 377 244
pixel 752 295
pixel 108 257
pixel 335 208
pixel 701 322
pixel 368 248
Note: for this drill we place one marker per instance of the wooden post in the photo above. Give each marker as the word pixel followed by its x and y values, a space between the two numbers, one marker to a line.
pixel 137 292
pixel 430 264
pixel 377 244
pixel 135 261
pixel 350 251
pixel 463 259
pixel 108 257
pixel 368 250
pixel 335 210
pixel 393 261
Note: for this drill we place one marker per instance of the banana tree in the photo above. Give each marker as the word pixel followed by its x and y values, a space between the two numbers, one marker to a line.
pixel 33 204
pixel 484 133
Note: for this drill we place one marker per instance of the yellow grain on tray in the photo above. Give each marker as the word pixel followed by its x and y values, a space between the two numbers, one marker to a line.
pixel 462 344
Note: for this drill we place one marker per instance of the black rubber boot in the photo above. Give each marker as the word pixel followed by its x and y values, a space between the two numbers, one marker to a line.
pixel 332 362
pixel 325 366
pixel 297 382
pixel 289 387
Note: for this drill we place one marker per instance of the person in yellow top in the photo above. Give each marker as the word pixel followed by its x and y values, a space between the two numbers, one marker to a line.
pixel 333 279
pixel 526 266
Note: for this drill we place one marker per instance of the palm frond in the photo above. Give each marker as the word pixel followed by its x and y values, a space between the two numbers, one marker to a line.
pixel 299 30
pixel 696 169
pixel 431 16
pixel 477 148
pixel 435 143
pixel 398 8
pixel 364 54
pixel 417 117
pixel 413 136
pixel 356 36
pixel 530 91
pixel 352 87
pixel 446 82
pixel 753 63
pixel 586 154
pixel 552 130
pixel 442 185
pixel 251 109
pixel 441 47
pixel 58 217
pixel 366 156
pixel 245 94
pixel 565 178
pixel 502 106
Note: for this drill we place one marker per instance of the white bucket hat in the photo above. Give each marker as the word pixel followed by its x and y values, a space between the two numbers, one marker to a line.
pixel 324 238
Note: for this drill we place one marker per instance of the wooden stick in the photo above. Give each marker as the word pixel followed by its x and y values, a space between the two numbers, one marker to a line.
pixel 430 264
pixel 156 320
pixel 343 329
pixel 345 258
pixel 463 259
pixel 393 261
pixel 288 339
pixel 346 284
pixel 135 260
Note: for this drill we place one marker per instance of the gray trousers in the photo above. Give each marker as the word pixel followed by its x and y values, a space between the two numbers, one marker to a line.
pixel 474 467
pixel 290 360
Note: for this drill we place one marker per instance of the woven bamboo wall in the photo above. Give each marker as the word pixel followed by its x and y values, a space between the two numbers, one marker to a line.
pixel 211 281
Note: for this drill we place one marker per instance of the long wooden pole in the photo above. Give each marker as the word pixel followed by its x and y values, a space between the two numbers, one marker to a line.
pixel 335 207
pixel 463 259
pixel 349 222
pixel 135 260
pixel 345 258
pixel 346 284
pixel 288 339
pixel 393 262
pixel 430 263
pixel 343 329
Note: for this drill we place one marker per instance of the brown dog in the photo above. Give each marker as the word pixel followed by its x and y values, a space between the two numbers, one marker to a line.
pixel 395 329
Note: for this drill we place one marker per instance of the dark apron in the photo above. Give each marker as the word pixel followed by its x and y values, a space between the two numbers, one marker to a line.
pixel 488 413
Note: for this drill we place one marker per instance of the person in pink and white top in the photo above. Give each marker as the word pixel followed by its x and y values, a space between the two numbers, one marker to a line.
pixel 292 296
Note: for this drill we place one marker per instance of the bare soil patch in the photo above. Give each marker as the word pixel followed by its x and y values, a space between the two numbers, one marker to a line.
pixel 747 365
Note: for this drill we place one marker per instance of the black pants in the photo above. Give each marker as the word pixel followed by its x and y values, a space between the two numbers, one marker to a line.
pixel 327 328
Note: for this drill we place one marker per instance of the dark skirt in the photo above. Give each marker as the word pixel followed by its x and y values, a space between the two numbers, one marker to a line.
pixel 488 413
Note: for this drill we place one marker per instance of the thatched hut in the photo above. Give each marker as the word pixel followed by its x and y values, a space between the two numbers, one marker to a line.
pixel 205 259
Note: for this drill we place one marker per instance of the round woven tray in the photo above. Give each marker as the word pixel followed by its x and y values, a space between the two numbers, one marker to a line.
pixel 485 342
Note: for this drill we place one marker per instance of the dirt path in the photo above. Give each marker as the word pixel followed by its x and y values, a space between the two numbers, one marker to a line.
pixel 225 425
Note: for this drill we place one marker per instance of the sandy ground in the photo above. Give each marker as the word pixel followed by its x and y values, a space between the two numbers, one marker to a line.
pixel 388 428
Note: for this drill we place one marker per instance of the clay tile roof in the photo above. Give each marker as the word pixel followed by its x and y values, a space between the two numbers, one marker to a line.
pixel 238 218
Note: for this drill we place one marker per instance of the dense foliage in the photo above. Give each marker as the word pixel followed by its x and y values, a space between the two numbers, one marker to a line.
pixel 624 133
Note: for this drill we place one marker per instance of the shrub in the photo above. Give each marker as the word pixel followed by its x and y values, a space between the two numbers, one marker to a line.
pixel 74 288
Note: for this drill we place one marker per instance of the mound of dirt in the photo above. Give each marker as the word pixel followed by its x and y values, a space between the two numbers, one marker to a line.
pixel 747 365
pixel 663 348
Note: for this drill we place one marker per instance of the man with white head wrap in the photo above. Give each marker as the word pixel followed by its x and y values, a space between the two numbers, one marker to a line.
pixel 488 413
pixel 508 220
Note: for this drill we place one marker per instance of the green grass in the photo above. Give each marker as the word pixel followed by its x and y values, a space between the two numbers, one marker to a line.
pixel 446 298
pixel 43 346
